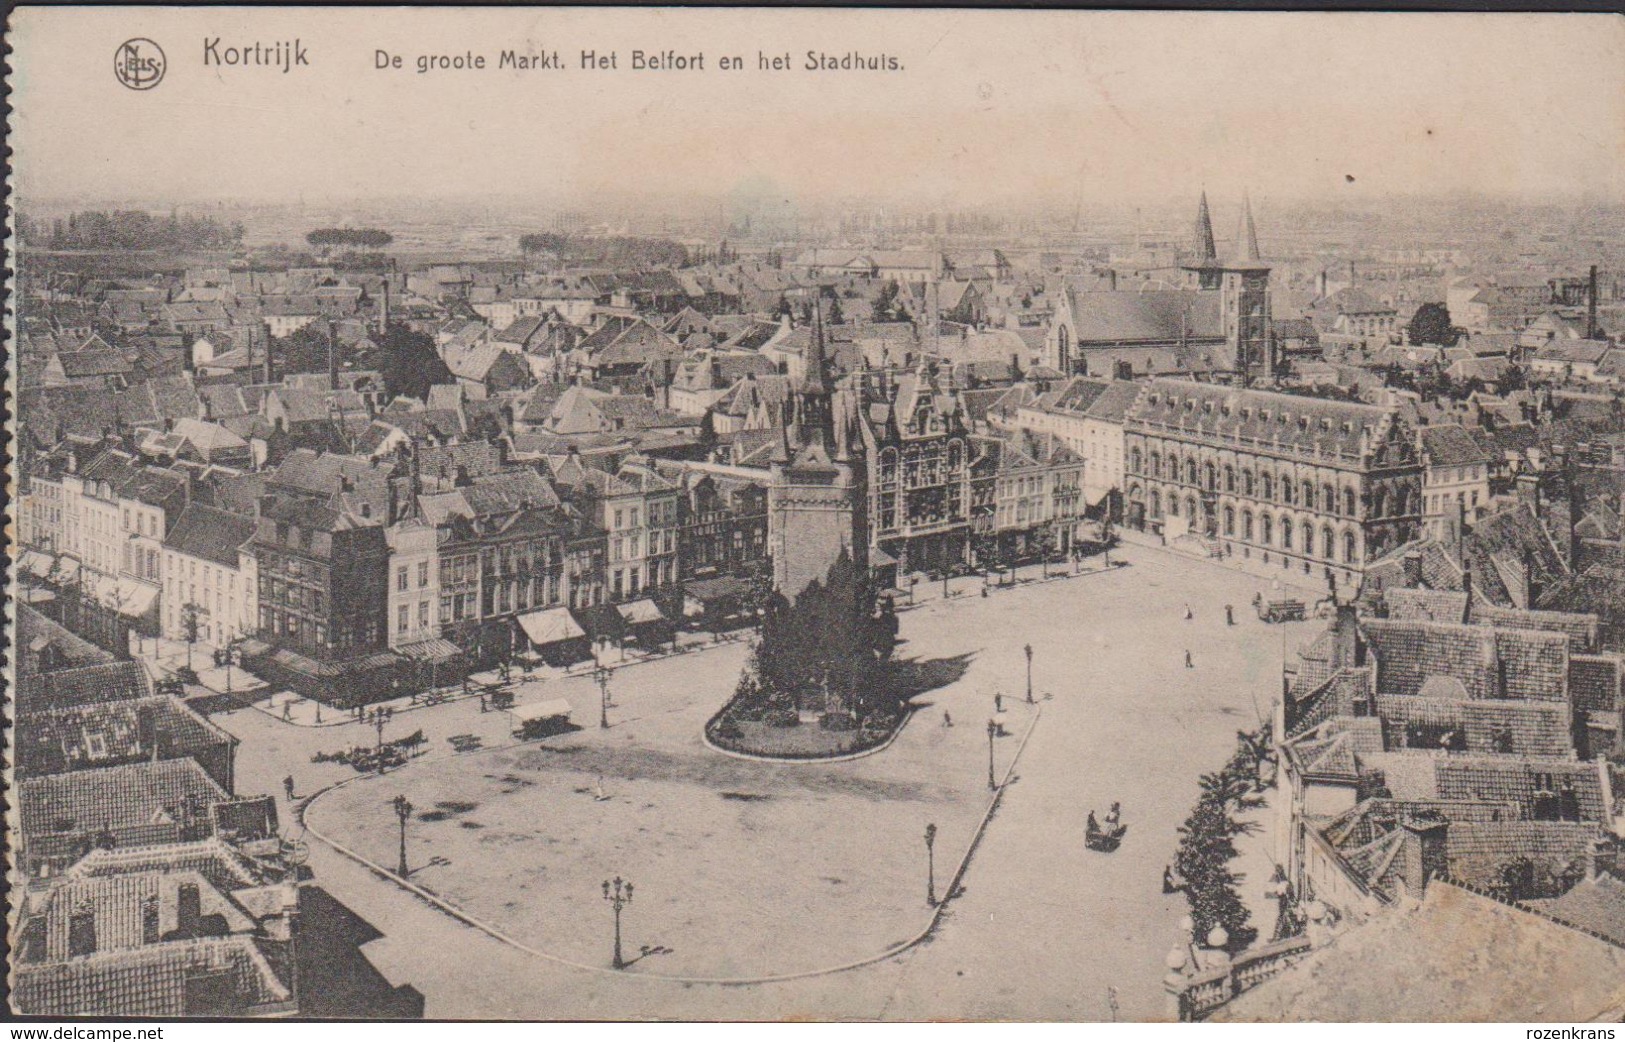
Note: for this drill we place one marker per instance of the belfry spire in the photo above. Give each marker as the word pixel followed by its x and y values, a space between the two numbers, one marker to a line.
pixel 1203 240
pixel 1246 233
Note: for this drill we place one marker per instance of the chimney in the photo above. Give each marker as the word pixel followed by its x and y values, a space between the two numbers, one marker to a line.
pixel 1591 305
pixel 188 911
pixel 332 355
pixel 82 932
pixel 1346 652
pixel 149 919
pixel 270 366
pixel 1527 490
pixel 1413 571
pixel 1427 854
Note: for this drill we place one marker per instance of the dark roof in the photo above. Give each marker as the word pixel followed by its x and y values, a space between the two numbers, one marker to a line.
pixel 114 797
pixel 1449 445
pixel 109 682
pixel 210 534
pixel 72 738
pixel 152 981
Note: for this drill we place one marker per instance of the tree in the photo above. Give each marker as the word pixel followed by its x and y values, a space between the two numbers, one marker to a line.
pixel 192 616
pixel 884 307
pixel 368 238
pixel 1431 325
pixel 834 316
pixel 409 363
pixel 1207 843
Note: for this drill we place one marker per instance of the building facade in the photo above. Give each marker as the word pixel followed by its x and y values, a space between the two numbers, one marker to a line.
pixel 1299 483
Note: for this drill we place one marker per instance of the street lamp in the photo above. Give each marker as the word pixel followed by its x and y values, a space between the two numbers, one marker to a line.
pixel 1029 650
pixel 380 717
pixel 992 731
pixel 930 866
pixel 601 674
pixel 403 811
pixel 618 898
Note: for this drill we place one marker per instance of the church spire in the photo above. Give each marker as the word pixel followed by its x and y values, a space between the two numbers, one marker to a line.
pixel 1203 241
pixel 815 375
pixel 1246 232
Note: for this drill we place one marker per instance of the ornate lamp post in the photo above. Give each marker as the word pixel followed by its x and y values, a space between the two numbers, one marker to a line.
pixel 403 811
pixel 992 732
pixel 601 675
pixel 930 866
pixel 380 717
pixel 1029 650
pixel 618 897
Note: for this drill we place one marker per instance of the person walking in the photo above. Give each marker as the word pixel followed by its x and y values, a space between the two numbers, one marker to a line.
pixel 1188 663
pixel 287 786
pixel 998 703
pixel 1229 615
pixel 1188 615
pixel 947 721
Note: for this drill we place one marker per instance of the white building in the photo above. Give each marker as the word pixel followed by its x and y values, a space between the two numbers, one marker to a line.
pixel 208 561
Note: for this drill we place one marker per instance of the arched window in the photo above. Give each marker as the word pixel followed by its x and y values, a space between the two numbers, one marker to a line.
pixel 1286 490
pixel 1328 547
pixel 1266 486
pixel 1134 460
pixel 1402 502
pixel 1190 471
pixel 1266 530
pixel 1348 547
pixel 1309 495
pixel 1156 503
pixel 888 465
pixel 1173 505
pixel 956 454
pixel 1229 478
pixel 1156 464
pixel 1210 477
pixel 1286 533
pixel 1247 525
pixel 1229 521
pixel 1328 499
pixel 1190 508
pixel 1246 482
pixel 1348 502
pixel 1379 502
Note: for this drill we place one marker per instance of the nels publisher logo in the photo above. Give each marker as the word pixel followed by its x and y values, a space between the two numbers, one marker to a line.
pixel 139 64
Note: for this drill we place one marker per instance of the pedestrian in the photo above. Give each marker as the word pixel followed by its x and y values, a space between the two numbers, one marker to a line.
pixel 1188 663
pixel 287 786
pixel 1188 615
pixel 1229 615
pixel 287 709
pixel 947 721
pixel 998 703
pixel 1168 886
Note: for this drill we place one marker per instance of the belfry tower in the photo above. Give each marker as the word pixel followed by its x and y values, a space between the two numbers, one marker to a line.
pixel 1244 303
pixel 817 500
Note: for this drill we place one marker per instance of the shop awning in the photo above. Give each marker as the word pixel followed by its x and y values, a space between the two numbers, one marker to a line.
pixel 435 649
pixel 65 570
pixel 641 611
pixel 136 599
pixel 550 626
pixel 35 563
pixel 544 710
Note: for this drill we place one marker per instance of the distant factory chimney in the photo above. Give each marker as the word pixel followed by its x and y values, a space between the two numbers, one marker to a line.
pixel 1591 305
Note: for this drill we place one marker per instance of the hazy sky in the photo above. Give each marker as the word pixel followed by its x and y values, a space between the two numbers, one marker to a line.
pixel 1003 106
